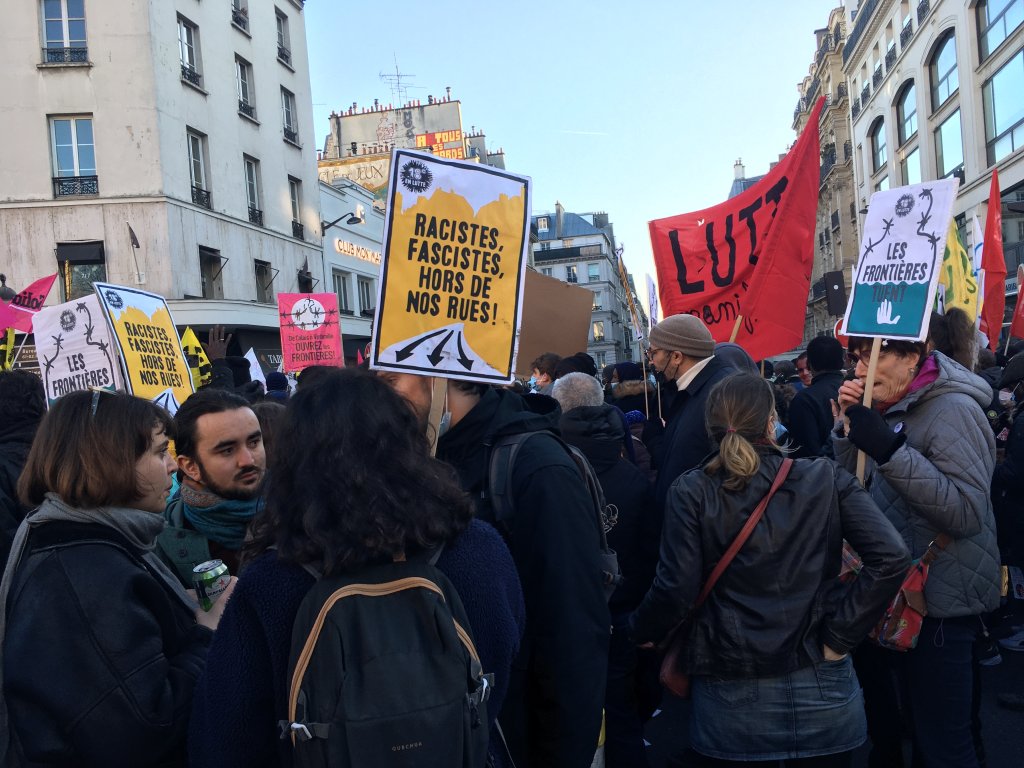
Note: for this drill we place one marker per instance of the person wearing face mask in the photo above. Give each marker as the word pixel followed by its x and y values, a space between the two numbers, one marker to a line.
pixel 931 456
pixel 682 354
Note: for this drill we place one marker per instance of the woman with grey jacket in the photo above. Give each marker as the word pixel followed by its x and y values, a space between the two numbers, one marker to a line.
pixel 930 459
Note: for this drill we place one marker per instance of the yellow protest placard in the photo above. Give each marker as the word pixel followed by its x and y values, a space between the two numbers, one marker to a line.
pixel 198 363
pixel 957 275
pixel 455 250
pixel 143 329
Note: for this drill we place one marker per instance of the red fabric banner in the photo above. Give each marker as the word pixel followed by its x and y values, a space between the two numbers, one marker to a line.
pixel 994 264
pixel 1017 323
pixel 750 256
pixel 18 314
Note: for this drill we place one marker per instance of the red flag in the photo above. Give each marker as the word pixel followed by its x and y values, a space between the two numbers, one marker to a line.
pixel 1017 323
pixel 994 264
pixel 359 357
pixel 750 256
pixel 18 314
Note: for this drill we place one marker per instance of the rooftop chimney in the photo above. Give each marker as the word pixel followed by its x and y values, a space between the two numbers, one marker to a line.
pixel 559 213
pixel 738 171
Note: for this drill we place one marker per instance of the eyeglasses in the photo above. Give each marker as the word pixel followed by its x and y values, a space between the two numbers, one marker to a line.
pixel 651 352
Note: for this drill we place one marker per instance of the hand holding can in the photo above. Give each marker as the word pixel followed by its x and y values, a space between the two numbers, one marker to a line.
pixel 211 579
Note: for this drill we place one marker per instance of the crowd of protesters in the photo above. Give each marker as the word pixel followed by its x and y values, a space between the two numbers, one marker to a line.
pixel 108 503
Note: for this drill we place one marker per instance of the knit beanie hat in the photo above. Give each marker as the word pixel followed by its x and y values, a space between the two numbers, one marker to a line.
pixel 629 371
pixel 683 333
pixel 276 381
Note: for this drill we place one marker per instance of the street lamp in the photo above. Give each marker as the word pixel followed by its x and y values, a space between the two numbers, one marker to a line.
pixel 358 216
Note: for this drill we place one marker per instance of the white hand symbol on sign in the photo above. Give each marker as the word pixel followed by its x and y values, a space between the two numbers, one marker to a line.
pixel 884 314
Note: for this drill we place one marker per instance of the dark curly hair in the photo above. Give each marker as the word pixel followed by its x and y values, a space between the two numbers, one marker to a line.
pixel 351 482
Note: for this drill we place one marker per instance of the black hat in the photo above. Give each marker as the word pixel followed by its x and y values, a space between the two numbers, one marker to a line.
pixel 1013 372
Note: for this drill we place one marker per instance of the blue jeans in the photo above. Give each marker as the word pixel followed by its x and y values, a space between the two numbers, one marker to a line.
pixel 810 712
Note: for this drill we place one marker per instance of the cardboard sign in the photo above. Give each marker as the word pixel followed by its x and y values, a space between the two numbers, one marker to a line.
pixel 147 342
pixel 198 362
pixel 556 318
pixel 310 330
pixel 901 252
pixel 75 349
pixel 456 241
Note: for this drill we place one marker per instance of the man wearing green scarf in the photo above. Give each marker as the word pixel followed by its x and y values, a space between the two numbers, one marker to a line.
pixel 221 465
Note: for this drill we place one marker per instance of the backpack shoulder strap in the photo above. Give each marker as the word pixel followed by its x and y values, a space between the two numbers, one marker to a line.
pixel 500 464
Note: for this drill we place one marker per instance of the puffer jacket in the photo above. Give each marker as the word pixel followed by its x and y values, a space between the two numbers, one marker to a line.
pixel 779 600
pixel 939 481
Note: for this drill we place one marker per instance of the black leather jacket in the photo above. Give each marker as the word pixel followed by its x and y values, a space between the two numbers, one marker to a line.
pixel 780 599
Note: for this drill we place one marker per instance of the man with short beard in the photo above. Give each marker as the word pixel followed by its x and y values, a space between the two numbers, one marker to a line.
pixel 221 466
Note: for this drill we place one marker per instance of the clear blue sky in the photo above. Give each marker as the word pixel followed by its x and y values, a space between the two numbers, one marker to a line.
pixel 635 108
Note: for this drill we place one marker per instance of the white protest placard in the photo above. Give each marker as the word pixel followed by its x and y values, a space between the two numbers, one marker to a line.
pixel 456 242
pixel 652 301
pixel 901 253
pixel 74 348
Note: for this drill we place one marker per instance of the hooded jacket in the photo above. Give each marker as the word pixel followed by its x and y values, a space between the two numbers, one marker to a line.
pixel 939 481
pixel 598 432
pixel 552 713
pixel 779 601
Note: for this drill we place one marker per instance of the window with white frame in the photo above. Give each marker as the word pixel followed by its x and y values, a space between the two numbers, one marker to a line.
pixel 598 330
pixel 284 45
pixel 1003 99
pixel 197 168
pixel 543 223
pixel 252 189
pixel 593 273
pixel 365 285
pixel 246 92
pixel 342 283
pixel 997 20
pixel 240 14
pixel 291 130
pixel 64 31
pixel 188 51
pixel 294 196
pixel 879 156
pixel 545 271
pixel 74 151
pixel 570 273
pixel 906 113
pixel 911 167
pixel 949 146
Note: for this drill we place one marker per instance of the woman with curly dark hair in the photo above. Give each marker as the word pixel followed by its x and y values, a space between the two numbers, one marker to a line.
pixel 351 485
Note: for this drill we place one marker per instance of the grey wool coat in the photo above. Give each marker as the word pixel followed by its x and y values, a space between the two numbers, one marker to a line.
pixel 939 481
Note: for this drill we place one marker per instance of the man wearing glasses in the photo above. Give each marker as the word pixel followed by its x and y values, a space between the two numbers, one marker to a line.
pixel 682 353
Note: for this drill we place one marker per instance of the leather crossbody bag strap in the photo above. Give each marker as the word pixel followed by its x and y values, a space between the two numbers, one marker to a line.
pixel 744 534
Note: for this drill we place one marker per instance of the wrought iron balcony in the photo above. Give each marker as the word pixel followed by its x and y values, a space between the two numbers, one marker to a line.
pixel 841 92
pixel 256 216
pixel 876 77
pixel 240 19
pixel 906 33
pixel 192 75
pixel 284 55
pixel 247 109
pixel 865 94
pixel 890 59
pixel 200 196
pixel 835 220
pixel 290 134
pixel 922 10
pixel 297 230
pixel 65 186
pixel 855 107
pixel 65 55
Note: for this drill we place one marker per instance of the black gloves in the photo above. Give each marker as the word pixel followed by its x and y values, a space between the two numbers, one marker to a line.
pixel 870 433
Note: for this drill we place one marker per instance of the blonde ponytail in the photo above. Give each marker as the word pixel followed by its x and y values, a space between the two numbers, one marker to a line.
pixel 738 411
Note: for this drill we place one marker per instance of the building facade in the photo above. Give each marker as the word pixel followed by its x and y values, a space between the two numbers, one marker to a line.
pixel 580 249
pixel 169 148
pixel 359 145
pixel 836 240
pixel 936 90
pixel 354 231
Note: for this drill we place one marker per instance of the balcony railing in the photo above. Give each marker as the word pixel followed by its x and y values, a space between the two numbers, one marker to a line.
pixel 865 94
pixel 191 75
pixel 855 107
pixel 860 24
pixel 297 230
pixel 284 54
pixel 65 55
pixel 247 109
pixel 200 196
pixel 890 59
pixel 876 77
pixel 256 216
pixel 239 19
pixel 66 186
pixel 842 92
pixel 290 134
pixel 906 33
pixel 922 10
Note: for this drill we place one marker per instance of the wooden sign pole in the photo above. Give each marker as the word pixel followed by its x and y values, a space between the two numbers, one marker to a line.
pixel 736 328
pixel 869 384
pixel 438 395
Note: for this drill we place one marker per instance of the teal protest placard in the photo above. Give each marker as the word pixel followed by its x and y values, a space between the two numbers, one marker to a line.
pixel 901 253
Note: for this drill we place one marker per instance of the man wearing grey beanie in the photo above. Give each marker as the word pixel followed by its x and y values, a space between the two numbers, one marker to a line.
pixel 682 351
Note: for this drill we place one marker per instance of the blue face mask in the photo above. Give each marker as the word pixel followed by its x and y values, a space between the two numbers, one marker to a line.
pixel 614 385
pixel 532 383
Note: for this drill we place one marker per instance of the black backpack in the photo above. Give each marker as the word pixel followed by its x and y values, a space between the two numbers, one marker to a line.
pixel 499 479
pixel 384 673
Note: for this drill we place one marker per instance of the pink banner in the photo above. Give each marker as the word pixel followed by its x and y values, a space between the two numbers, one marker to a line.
pixel 310 330
pixel 18 314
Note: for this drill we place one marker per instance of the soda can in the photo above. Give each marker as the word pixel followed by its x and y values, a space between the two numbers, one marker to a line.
pixel 211 579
